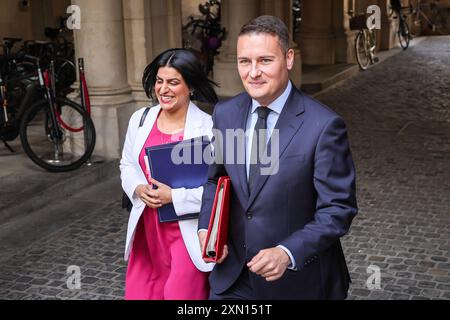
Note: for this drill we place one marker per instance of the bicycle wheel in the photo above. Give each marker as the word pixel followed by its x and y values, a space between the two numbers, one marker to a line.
pixel 403 35
pixel 362 55
pixel 70 147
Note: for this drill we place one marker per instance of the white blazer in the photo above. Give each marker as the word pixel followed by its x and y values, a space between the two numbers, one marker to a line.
pixel 198 123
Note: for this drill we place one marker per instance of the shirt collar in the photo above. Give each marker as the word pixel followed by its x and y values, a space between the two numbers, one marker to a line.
pixel 278 104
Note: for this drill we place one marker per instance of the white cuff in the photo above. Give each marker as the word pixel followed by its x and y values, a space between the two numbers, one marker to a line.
pixel 293 265
pixel 186 201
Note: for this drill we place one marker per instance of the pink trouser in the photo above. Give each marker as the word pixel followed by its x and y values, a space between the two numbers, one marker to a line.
pixel 160 267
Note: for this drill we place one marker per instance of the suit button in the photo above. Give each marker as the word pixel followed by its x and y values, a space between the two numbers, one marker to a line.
pixel 249 216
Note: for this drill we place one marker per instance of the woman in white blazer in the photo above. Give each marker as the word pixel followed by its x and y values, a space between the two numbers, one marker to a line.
pixel 164 258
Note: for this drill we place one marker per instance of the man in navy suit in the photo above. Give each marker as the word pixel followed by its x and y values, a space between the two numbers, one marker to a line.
pixel 285 225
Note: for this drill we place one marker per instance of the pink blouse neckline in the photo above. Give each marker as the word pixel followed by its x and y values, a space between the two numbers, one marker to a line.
pixel 167 137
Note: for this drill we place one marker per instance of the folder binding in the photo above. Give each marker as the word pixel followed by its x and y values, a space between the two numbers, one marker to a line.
pixel 217 235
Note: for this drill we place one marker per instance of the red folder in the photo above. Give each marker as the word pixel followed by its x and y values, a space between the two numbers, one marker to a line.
pixel 217 235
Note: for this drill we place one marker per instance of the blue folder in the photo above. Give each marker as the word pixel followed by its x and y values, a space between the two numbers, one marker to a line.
pixel 181 164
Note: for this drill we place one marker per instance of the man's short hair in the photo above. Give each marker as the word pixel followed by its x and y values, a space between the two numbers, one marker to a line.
pixel 270 25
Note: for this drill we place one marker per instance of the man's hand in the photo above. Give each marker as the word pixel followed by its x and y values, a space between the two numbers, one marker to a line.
pixel 224 254
pixel 202 239
pixel 270 263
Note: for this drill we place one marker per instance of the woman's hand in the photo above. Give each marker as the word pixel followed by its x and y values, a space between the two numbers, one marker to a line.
pixel 148 195
pixel 163 193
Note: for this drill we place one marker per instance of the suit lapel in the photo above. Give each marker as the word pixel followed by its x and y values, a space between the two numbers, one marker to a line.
pixel 288 124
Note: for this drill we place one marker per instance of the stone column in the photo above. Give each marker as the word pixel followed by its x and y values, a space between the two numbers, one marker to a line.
pixel 316 38
pixel 100 41
pixel 283 10
pixel 234 14
pixel 165 25
pixel 389 27
pixel 344 37
pixel 144 22
pixel 138 44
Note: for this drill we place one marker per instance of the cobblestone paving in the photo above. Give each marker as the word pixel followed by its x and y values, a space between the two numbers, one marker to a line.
pixel 398 116
pixel 94 244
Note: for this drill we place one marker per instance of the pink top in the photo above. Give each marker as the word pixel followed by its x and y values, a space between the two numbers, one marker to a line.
pixel 160 266
pixel 156 138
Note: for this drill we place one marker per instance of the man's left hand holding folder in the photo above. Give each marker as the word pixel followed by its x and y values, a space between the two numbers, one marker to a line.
pixel 202 238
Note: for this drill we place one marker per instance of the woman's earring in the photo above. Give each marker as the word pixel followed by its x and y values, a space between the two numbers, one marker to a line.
pixel 191 94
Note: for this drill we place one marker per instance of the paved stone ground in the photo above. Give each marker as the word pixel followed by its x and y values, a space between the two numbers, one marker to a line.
pixel 398 116
pixel 94 243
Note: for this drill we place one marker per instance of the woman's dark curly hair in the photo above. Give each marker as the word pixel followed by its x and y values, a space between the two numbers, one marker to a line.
pixel 187 64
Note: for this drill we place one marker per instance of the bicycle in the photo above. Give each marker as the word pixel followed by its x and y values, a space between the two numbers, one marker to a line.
pixel 204 36
pixel 55 132
pixel 365 41
pixel 436 23
pixel 65 70
pixel 403 33
pixel 15 78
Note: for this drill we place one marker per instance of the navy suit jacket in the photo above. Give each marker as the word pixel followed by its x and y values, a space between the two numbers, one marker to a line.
pixel 306 206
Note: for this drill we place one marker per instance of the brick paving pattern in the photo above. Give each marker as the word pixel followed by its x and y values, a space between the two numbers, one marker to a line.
pixel 94 243
pixel 398 116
